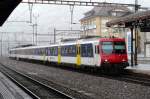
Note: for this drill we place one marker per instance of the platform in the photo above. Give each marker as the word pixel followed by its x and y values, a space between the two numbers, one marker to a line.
pixel 140 68
pixel 8 90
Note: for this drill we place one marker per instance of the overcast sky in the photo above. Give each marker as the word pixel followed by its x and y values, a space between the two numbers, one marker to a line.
pixel 50 16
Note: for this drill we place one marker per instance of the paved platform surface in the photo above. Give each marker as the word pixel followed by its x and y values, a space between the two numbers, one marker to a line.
pixel 140 68
pixel 8 90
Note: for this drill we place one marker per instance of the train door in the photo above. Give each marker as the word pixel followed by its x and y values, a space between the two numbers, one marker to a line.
pixel 87 54
pixel 97 56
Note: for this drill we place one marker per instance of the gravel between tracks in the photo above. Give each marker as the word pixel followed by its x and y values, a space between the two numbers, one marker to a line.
pixel 96 87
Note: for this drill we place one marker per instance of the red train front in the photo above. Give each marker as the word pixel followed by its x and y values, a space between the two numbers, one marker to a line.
pixel 113 53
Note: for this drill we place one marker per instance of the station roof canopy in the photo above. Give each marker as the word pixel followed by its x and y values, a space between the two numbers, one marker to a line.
pixel 6 7
pixel 139 17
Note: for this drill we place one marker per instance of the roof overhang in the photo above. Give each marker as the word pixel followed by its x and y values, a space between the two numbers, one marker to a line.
pixel 137 17
pixel 6 7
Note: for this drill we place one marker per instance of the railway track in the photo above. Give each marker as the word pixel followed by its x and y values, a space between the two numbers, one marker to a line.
pixel 34 88
pixel 126 76
pixel 138 78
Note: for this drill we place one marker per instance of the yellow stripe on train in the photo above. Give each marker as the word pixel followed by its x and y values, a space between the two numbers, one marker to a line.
pixel 59 56
pixel 78 61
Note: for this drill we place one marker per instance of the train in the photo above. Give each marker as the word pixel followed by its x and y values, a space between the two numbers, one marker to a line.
pixel 104 53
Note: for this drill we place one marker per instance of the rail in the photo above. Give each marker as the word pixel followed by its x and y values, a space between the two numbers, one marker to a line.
pixel 26 83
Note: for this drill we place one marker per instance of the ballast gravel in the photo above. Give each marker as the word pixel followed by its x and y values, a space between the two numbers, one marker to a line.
pixel 93 86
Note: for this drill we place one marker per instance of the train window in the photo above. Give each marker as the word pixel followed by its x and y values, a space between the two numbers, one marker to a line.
pixel 36 51
pixel 62 50
pixel 17 51
pixel 53 51
pixel 20 52
pixel 83 50
pixel 107 47
pixel 14 52
pixel 48 52
pixel 74 50
pixel 32 51
pixel 86 50
pixel 40 51
pixel 119 47
pixel 43 51
pixel 28 52
pixel 90 50
pixel 69 50
pixel 25 52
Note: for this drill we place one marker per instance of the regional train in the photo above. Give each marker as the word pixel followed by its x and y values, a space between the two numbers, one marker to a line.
pixel 103 53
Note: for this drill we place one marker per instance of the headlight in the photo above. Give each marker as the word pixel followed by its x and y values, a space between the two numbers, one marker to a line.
pixel 106 60
pixel 123 60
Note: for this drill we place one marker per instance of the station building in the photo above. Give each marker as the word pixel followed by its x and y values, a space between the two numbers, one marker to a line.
pixel 94 21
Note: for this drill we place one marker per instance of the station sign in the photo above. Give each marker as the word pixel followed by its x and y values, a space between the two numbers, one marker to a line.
pixel 145 29
pixel 144 25
pixel 128 42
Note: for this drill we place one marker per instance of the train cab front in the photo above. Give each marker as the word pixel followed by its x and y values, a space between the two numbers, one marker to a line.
pixel 113 53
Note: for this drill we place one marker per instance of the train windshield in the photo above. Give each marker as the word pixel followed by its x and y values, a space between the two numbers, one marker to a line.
pixel 113 47
pixel 119 47
pixel 107 47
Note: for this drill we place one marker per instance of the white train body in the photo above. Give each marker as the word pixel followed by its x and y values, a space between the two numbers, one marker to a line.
pixel 84 52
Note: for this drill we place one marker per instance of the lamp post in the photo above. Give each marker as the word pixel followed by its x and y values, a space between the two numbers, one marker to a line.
pixel 136 33
pixel 71 11
pixel 36 29
pixel 33 25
